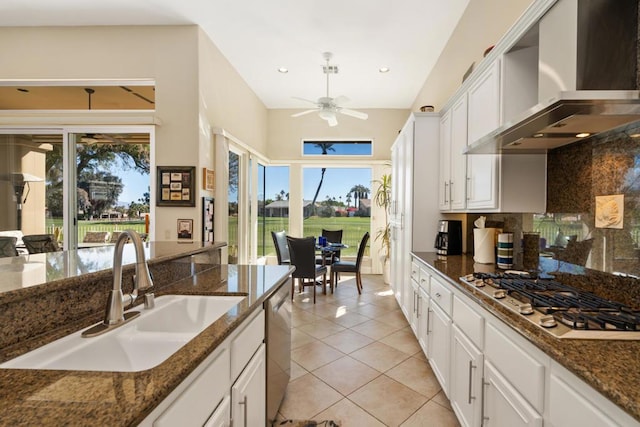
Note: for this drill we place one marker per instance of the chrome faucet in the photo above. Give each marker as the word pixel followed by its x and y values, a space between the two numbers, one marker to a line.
pixel 114 313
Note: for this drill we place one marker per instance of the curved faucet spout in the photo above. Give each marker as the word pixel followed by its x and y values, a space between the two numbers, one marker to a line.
pixel 114 312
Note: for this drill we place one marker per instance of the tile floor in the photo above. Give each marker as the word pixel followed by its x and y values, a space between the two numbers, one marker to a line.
pixel 356 360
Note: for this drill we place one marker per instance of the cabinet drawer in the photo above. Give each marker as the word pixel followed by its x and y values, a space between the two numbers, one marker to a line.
pixel 199 399
pixel 424 279
pixel 515 363
pixel 415 271
pixel 246 343
pixel 469 321
pixel 441 294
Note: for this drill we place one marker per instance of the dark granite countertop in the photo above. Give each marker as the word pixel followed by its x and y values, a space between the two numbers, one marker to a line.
pixel 611 367
pixel 48 397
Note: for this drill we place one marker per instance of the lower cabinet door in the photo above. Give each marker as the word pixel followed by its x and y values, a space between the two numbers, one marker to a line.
pixel 466 380
pixel 423 320
pixel 221 417
pixel 440 345
pixel 503 405
pixel 248 393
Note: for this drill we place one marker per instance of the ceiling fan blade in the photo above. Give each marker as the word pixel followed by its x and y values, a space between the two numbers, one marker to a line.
pixel 357 114
pixel 340 100
pixel 303 113
pixel 305 100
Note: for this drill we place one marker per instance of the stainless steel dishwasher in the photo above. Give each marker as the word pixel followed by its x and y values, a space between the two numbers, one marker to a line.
pixel 278 341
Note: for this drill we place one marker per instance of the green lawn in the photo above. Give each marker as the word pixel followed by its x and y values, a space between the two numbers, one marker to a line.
pixel 84 226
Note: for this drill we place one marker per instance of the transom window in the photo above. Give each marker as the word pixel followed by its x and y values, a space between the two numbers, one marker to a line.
pixel 337 148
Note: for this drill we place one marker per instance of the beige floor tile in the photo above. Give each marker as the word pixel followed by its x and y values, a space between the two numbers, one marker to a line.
pixel 314 355
pixel 417 375
pixel 420 355
pixel 348 319
pixel 379 356
pixel 300 338
pixel 301 317
pixel 297 371
pixel 306 397
pixel 394 318
pixel 403 340
pixel 388 400
pixel 327 310
pixel 374 329
pixel 372 310
pixel 431 415
pixel 347 341
pixel 349 415
pixel 442 400
pixel 321 328
pixel 346 374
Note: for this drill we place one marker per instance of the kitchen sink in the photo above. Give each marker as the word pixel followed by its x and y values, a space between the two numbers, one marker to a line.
pixel 142 343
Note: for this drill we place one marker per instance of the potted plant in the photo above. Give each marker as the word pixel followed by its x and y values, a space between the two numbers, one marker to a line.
pixel 382 198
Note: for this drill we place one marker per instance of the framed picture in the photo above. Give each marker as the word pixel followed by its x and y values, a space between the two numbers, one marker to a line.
pixel 185 229
pixel 176 186
pixel 208 179
pixel 207 219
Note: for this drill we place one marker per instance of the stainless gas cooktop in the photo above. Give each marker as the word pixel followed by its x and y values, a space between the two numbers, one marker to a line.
pixel 559 309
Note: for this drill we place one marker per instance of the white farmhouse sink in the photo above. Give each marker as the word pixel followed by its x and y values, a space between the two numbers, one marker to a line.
pixel 142 343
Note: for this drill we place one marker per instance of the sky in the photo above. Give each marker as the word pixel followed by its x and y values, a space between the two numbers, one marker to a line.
pixel 337 181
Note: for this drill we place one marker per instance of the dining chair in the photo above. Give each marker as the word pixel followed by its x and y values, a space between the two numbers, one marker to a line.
pixel 303 253
pixel 349 266
pixel 40 243
pixel 328 258
pixel 282 250
pixel 8 246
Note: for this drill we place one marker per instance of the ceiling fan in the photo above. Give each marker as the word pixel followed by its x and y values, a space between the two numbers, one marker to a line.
pixel 326 106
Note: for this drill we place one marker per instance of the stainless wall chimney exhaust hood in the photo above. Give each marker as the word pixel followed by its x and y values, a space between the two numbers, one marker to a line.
pixel 586 53
pixel 574 116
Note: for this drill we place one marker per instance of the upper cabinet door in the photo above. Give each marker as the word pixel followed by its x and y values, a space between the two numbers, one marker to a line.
pixel 484 117
pixel 484 103
pixel 444 191
pixel 458 159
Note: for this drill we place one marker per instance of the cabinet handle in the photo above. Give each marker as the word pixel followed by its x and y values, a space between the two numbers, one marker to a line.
pixel 468 188
pixel 418 306
pixel 451 191
pixel 244 409
pixel 471 368
pixel 429 311
pixel 438 295
pixel 484 417
pixel 446 187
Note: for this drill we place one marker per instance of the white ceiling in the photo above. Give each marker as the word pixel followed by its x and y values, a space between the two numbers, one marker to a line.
pixel 259 36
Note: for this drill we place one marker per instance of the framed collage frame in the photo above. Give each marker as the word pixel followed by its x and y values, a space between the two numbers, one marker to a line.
pixel 176 186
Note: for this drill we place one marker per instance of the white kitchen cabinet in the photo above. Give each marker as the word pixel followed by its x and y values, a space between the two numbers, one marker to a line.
pixel 458 181
pixel 221 417
pixel 503 405
pixel 414 312
pixel 484 116
pixel 572 403
pixel 439 344
pixel 193 402
pixel 444 181
pixel 466 379
pixel 207 396
pixel 414 216
pixel 423 317
pixel 248 393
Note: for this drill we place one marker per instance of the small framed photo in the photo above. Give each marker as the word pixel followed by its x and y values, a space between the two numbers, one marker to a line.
pixel 176 186
pixel 185 229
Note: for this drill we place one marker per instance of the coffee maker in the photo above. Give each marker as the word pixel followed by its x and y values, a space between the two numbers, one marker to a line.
pixel 449 237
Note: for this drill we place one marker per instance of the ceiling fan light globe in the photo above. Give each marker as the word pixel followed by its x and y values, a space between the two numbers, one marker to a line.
pixel 326 115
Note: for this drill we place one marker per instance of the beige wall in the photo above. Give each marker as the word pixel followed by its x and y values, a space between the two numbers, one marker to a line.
pixel 483 23
pixel 286 133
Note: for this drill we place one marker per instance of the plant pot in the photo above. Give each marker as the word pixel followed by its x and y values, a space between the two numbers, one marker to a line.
pixel 386 271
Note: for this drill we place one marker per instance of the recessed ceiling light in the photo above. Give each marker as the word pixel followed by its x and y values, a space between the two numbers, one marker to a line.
pixel 582 135
pixel 22 90
pixel 635 135
pixel 283 70
pixel 538 135
pixel 384 69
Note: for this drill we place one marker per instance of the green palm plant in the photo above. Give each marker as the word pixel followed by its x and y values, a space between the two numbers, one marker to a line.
pixel 382 198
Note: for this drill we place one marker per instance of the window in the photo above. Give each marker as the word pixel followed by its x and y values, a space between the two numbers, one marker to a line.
pixel 337 148
pixel 274 206
pixel 338 198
